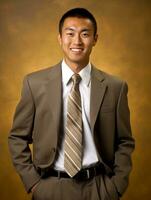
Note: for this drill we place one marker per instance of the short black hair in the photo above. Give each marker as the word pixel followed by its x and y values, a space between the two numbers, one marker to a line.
pixel 80 13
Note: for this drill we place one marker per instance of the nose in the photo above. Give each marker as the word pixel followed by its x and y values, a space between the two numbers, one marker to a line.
pixel 77 39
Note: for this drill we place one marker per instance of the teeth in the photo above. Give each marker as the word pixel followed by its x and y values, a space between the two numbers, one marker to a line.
pixel 76 50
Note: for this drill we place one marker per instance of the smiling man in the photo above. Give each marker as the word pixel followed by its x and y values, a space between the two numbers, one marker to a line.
pixel 77 119
pixel 77 38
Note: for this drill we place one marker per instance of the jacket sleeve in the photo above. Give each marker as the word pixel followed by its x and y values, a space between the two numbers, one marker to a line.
pixel 125 142
pixel 21 136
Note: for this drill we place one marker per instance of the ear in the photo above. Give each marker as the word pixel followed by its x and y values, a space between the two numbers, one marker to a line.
pixel 59 39
pixel 95 39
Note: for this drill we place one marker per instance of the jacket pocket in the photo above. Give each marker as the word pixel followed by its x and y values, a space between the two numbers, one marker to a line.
pixel 110 188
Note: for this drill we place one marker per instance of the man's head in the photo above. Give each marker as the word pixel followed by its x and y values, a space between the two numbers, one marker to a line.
pixel 78 13
pixel 77 36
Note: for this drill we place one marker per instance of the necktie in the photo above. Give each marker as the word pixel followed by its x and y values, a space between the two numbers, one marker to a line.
pixel 73 130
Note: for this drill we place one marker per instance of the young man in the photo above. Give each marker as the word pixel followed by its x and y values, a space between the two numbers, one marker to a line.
pixel 77 119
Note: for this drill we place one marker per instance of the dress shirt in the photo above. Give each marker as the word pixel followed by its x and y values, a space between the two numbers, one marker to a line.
pixel 89 150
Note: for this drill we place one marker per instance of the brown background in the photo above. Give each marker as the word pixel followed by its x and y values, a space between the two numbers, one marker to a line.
pixel 28 42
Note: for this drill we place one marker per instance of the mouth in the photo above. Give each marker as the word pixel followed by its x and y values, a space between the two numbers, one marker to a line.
pixel 77 50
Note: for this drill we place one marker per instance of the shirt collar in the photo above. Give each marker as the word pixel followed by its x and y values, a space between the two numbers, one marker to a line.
pixel 67 73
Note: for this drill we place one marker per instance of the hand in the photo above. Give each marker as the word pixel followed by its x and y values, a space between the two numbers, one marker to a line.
pixel 34 187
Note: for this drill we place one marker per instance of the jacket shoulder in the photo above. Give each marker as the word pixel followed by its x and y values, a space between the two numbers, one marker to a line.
pixel 112 78
pixel 43 74
pixel 107 77
pixel 114 83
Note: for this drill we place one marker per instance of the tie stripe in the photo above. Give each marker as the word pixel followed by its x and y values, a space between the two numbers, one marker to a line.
pixel 74 123
pixel 73 132
pixel 74 103
pixel 70 135
pixel 76 139
pixel 76 148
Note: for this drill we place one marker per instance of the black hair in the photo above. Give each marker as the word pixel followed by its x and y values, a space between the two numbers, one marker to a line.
pixel 80 13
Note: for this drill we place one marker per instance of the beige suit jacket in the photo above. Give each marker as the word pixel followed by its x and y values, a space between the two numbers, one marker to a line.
pixel 38 121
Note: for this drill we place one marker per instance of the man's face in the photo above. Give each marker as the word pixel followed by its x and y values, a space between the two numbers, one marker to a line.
pixel 77 40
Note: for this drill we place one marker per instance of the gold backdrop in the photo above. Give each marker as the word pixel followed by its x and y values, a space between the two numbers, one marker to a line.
pixel 28 42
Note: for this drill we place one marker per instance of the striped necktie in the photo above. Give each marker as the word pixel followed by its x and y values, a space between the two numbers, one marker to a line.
pixel 73 130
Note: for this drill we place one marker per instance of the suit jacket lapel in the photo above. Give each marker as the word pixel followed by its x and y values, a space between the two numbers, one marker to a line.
pixel 98 88
pixel 53 89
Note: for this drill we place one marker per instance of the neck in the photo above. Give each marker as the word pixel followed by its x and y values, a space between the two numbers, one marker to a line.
pixel 76 67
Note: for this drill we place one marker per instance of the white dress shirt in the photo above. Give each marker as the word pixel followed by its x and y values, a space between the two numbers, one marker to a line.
pixel 89 151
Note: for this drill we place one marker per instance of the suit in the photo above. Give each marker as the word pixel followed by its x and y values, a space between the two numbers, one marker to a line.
pixel 38 121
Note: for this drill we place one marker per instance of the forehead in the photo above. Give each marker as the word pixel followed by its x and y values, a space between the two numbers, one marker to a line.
pixel 76 23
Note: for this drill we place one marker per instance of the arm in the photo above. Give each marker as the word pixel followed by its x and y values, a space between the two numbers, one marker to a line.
pixel 124 142
pixel 21 136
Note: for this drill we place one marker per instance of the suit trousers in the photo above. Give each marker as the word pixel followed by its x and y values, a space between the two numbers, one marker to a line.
pixel 100 187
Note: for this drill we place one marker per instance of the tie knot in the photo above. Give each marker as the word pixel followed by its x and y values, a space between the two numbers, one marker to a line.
pixel 76 78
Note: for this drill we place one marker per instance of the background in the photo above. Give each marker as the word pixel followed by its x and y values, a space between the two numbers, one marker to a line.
pixel 28 42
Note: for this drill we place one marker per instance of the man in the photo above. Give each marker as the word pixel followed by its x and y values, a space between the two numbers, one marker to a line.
pixel 77 119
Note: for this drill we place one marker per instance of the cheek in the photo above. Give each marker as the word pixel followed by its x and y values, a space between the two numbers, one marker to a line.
pixel 89 46
pixel 89 43
pixel 65 41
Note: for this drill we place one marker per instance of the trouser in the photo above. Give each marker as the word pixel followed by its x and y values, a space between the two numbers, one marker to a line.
pixel 99 187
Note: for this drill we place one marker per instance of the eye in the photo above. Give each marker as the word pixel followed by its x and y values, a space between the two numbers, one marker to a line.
pixel 85 34
pixel 70 34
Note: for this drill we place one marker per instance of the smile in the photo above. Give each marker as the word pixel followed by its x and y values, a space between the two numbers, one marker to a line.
pixel 76 49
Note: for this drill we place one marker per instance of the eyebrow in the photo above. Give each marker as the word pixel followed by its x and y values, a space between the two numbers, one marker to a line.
pixel 72 29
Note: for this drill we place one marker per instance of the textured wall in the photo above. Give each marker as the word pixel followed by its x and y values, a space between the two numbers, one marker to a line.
pixel 28 42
